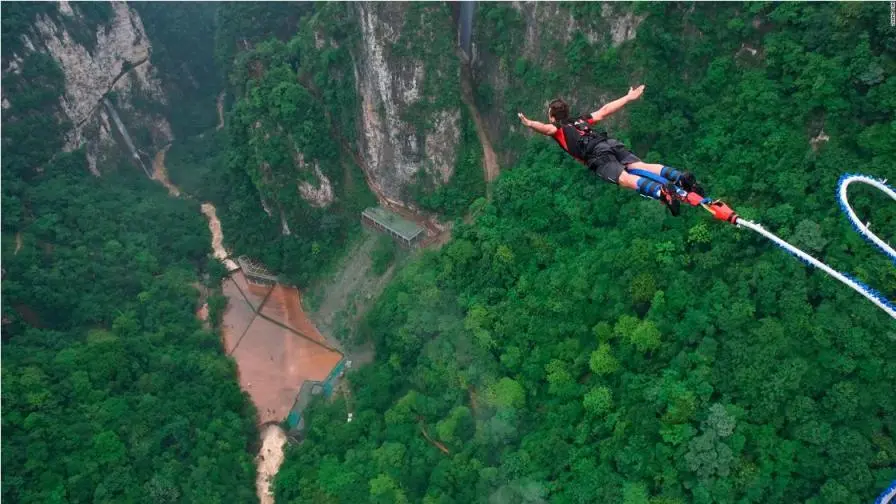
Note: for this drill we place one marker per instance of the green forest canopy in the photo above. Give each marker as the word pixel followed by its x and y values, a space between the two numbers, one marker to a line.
pixel 571 344
pixel 113 392
pixel 575 344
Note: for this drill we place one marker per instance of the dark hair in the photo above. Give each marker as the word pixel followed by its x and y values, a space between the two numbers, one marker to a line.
pixel 559 110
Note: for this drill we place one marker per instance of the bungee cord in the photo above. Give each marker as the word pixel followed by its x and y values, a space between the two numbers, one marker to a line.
pixel 723 212
pixel 872 295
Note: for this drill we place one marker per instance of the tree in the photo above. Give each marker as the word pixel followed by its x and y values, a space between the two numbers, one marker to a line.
pixel 599 400
pixel 602 361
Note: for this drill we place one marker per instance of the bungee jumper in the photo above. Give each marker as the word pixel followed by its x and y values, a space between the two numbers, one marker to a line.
pixel 608 157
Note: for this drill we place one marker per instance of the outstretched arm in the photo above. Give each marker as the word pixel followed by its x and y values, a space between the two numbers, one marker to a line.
pixel 615 105
pixel 544 129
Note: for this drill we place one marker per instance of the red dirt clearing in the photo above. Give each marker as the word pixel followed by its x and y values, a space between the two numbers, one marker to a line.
pixel 273 360
pixel 254 293
pixel 273 363
pixel 284 306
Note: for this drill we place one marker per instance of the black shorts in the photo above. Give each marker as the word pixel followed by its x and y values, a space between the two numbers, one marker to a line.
pixel 608 159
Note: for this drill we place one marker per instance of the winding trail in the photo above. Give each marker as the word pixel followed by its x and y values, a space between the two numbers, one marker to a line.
pixel 489 159
pixel 18 243
pixel 160 173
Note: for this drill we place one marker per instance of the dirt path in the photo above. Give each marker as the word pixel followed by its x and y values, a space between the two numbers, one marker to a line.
pixel 489 159
pixel 214 225
pixel 269 459
pixel 18 243
pixel 160 173
pixel 220 111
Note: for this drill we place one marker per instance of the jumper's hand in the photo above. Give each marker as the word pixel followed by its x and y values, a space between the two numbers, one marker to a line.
pixel 635 93
pixel 523 119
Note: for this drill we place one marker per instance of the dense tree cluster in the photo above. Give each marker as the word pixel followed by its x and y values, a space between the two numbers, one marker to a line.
pixel 113 392
pixel 572 343
pixel 576 344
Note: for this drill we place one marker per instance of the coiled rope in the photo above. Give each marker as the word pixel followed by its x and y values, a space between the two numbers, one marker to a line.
pixel 888 495
pixel 872 295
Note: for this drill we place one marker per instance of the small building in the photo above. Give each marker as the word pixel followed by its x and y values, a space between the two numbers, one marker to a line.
pixel 405 232
pixel 310 389
pixel 255 272
pixel 295 420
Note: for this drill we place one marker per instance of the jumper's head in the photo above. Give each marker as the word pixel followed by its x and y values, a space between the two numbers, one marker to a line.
pixel 558 111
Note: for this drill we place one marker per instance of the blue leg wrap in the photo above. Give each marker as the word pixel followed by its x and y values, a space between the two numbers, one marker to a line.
pixel 670 173
pixel 649 188
pixel 648 175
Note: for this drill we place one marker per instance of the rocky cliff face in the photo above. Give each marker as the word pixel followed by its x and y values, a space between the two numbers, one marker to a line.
pixel 406 75
pixel 407 72
pixel 391 85
pixel 557 22
pixel 118 63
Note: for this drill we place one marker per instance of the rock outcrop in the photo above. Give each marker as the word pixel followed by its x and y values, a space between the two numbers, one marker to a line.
pixel 118 65
pixel 394 150
pixel 321 195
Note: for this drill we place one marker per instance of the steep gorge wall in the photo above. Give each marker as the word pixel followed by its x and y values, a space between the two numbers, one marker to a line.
pixel 366 88
pixel 117 64
pixel 405 123
pixel 401 62
pixel 407 73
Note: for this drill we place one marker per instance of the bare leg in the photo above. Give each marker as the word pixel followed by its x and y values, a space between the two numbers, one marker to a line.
pixel 626 179
pixel 648 188
pixel 641 165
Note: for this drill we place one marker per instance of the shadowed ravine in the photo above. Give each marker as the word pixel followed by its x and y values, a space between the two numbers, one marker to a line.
pixel 266 332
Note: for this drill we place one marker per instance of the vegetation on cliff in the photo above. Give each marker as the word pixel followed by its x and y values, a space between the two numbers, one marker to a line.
pixel 293 123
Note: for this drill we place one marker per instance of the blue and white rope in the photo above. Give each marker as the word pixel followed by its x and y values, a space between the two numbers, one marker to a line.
pixel 888 495
pixel 847 179
pixel 871 294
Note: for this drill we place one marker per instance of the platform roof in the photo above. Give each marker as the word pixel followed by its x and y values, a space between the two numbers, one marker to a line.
pixel 404 228
pixel 255 269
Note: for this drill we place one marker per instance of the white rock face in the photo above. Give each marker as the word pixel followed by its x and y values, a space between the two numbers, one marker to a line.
pixel 65 8
pixel 394 150
pixel 284 226
pixel 119 61
pixel 822 137
pixel 320 196
pixel 623 26
pixel 441 147
pixel 558 22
